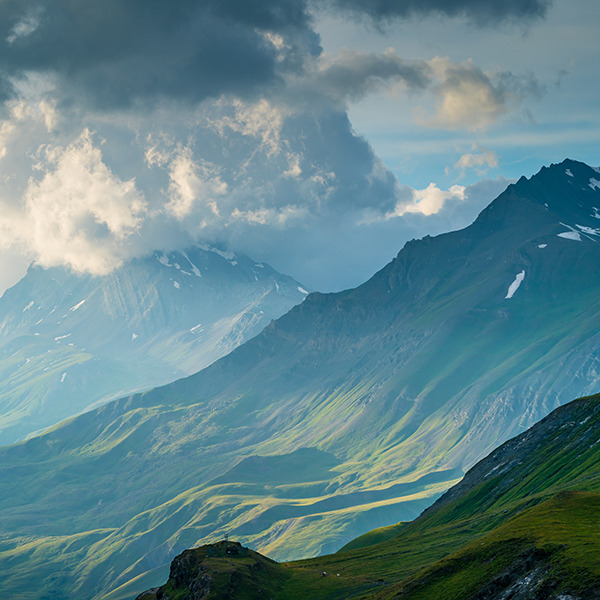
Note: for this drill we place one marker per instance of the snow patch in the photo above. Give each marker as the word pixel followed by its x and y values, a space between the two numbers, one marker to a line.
pixel 514 286
pixel 542 245
pixel 176 284
pixel 177 266
pixel 133 336
pixel 163 260
pixel 196 328
pixel 302 291
pixel 226 255
pixel 594 184
pixel 62 378
pixel 61 337
pixel 588 230
pixel 570 235
pixel 259 265
pixel 74 308
pixel 596 213
pixel 28 306
pixel 568 172
pixel 195 269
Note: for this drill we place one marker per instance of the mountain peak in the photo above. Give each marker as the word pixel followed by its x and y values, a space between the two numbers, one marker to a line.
pixel 70 341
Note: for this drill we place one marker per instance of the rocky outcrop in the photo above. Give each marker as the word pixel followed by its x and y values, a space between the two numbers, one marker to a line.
pixel 216 571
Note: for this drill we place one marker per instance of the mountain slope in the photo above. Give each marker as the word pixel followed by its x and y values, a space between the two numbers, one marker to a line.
pixel 352 411
pixel 68 342
pixel 522 524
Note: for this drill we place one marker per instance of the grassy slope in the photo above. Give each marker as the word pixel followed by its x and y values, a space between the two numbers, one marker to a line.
pixel 543 496
pixel 558 537
pixel 526 516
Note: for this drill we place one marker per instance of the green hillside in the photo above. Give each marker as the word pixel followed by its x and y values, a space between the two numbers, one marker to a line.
pixel 525 520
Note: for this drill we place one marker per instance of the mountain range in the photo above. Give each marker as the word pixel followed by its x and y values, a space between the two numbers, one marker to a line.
pixel 352 411
pixel 70 342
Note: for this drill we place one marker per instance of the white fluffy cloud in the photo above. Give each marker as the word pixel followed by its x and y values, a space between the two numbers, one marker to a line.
pixel 194 189
pixel 429 201
pixel 78 213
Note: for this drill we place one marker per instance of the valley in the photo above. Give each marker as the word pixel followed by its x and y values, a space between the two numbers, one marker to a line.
pixel 523 523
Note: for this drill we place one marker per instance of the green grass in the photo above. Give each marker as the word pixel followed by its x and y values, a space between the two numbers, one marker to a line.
pixel 546 506
pixel 558 537
pixel 374 536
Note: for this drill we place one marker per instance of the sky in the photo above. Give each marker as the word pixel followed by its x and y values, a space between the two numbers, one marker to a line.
pixel 317 136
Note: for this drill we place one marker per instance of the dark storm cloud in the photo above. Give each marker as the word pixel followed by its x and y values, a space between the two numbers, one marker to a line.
pixel 115 52
pixel 481 12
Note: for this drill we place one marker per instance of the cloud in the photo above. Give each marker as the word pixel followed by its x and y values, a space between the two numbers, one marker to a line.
pixel 431 200
pixel 428 201
pixel 26 26
pixel 335 254
pixel 260 120
pixel 194 188
pixel 350 75
pixel 119 54
pixel 230 170
pixel 308 196
pixel 93 200
pixel 482 12
pixel 240 131
pixel 468 98
pixel 122 54
pixel 465 96
pixel 78 213
pixel 480 161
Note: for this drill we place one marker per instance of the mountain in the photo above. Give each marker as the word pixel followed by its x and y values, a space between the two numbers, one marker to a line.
pixel 69 342
pixel 522 524
pixel 352 411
